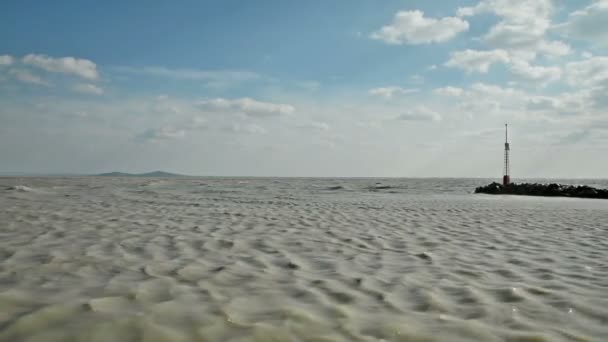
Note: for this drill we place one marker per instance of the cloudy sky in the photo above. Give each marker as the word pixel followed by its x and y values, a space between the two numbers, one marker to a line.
pixel 305 88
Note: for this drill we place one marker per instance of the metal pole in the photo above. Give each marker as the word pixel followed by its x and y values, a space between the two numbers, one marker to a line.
pixel 506 179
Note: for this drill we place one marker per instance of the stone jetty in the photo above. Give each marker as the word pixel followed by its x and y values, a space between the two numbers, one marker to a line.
pixel 534 189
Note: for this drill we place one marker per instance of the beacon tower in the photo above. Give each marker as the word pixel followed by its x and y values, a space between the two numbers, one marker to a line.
pixel 506 178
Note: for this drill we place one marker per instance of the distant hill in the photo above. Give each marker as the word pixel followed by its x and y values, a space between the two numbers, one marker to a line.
pixel 147 174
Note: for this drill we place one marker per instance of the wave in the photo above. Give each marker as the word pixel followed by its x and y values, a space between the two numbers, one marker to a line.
pixel 20 188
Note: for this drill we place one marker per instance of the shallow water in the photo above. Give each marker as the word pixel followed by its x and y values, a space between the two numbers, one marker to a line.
pixel 217 259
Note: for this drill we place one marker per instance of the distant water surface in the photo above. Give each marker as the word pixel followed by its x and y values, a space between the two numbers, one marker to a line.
pixel 298 259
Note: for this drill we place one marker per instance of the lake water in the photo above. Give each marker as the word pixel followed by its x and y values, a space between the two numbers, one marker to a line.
pixel 262 259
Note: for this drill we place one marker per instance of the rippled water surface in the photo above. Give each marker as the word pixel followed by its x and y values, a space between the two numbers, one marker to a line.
pixel 214 259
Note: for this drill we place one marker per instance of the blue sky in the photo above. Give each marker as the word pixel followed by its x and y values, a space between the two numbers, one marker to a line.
pixel 307 88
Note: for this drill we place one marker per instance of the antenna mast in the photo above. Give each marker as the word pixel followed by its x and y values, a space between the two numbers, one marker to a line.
pixel 506 179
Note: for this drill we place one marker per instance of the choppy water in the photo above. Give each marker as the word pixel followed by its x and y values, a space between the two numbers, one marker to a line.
pixel 212 259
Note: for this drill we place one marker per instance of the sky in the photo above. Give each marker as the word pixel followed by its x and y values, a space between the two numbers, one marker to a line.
pixel 347 88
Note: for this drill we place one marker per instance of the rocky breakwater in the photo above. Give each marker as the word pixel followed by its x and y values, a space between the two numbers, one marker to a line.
pixel 527 189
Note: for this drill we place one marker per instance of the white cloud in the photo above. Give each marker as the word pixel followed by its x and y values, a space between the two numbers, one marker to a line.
pixel 416 79
pixel 541 103
pixel 566 104
pixel 198 123
pixel 215 79
pixel 69 65
pixel 481 61
pixel 164 104
pixel 588 24
pixel 589 72
pixel 376 124
pixel 449 91
pixel 245 128
pixel 80 114
pixel 598 98
pixel 26 76
pixel 420 113
pixel 175 127
pixel 389 92
pixel 513 10
pixel 522 27
pixel 494 91
pixel 535 72
pixel 6 60
pixel 199 74
pixel 554 48
pixel 481 99
pixel 411 27
pixel 315 125
pixel 249 106
pixel 309 85
pixel 517 39
pixel 87 88
pixel 474 60
pixel 163 133
pixel 517 35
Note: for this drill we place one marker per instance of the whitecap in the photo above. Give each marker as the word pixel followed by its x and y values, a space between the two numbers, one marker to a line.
pixel 22 188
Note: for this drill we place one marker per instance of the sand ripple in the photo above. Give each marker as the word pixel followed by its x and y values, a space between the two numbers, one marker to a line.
pixel 97 259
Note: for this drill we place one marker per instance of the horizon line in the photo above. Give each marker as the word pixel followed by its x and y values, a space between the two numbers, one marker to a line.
pixel 178 175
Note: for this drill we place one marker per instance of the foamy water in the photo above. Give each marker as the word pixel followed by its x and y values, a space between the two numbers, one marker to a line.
pixel 211 259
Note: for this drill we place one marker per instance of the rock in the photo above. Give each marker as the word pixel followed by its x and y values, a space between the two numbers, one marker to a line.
pixel 535 189
pixel 424 256
pixel 219 269
pixel 292 266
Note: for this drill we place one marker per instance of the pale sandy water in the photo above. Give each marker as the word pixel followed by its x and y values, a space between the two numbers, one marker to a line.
pixel 211 259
